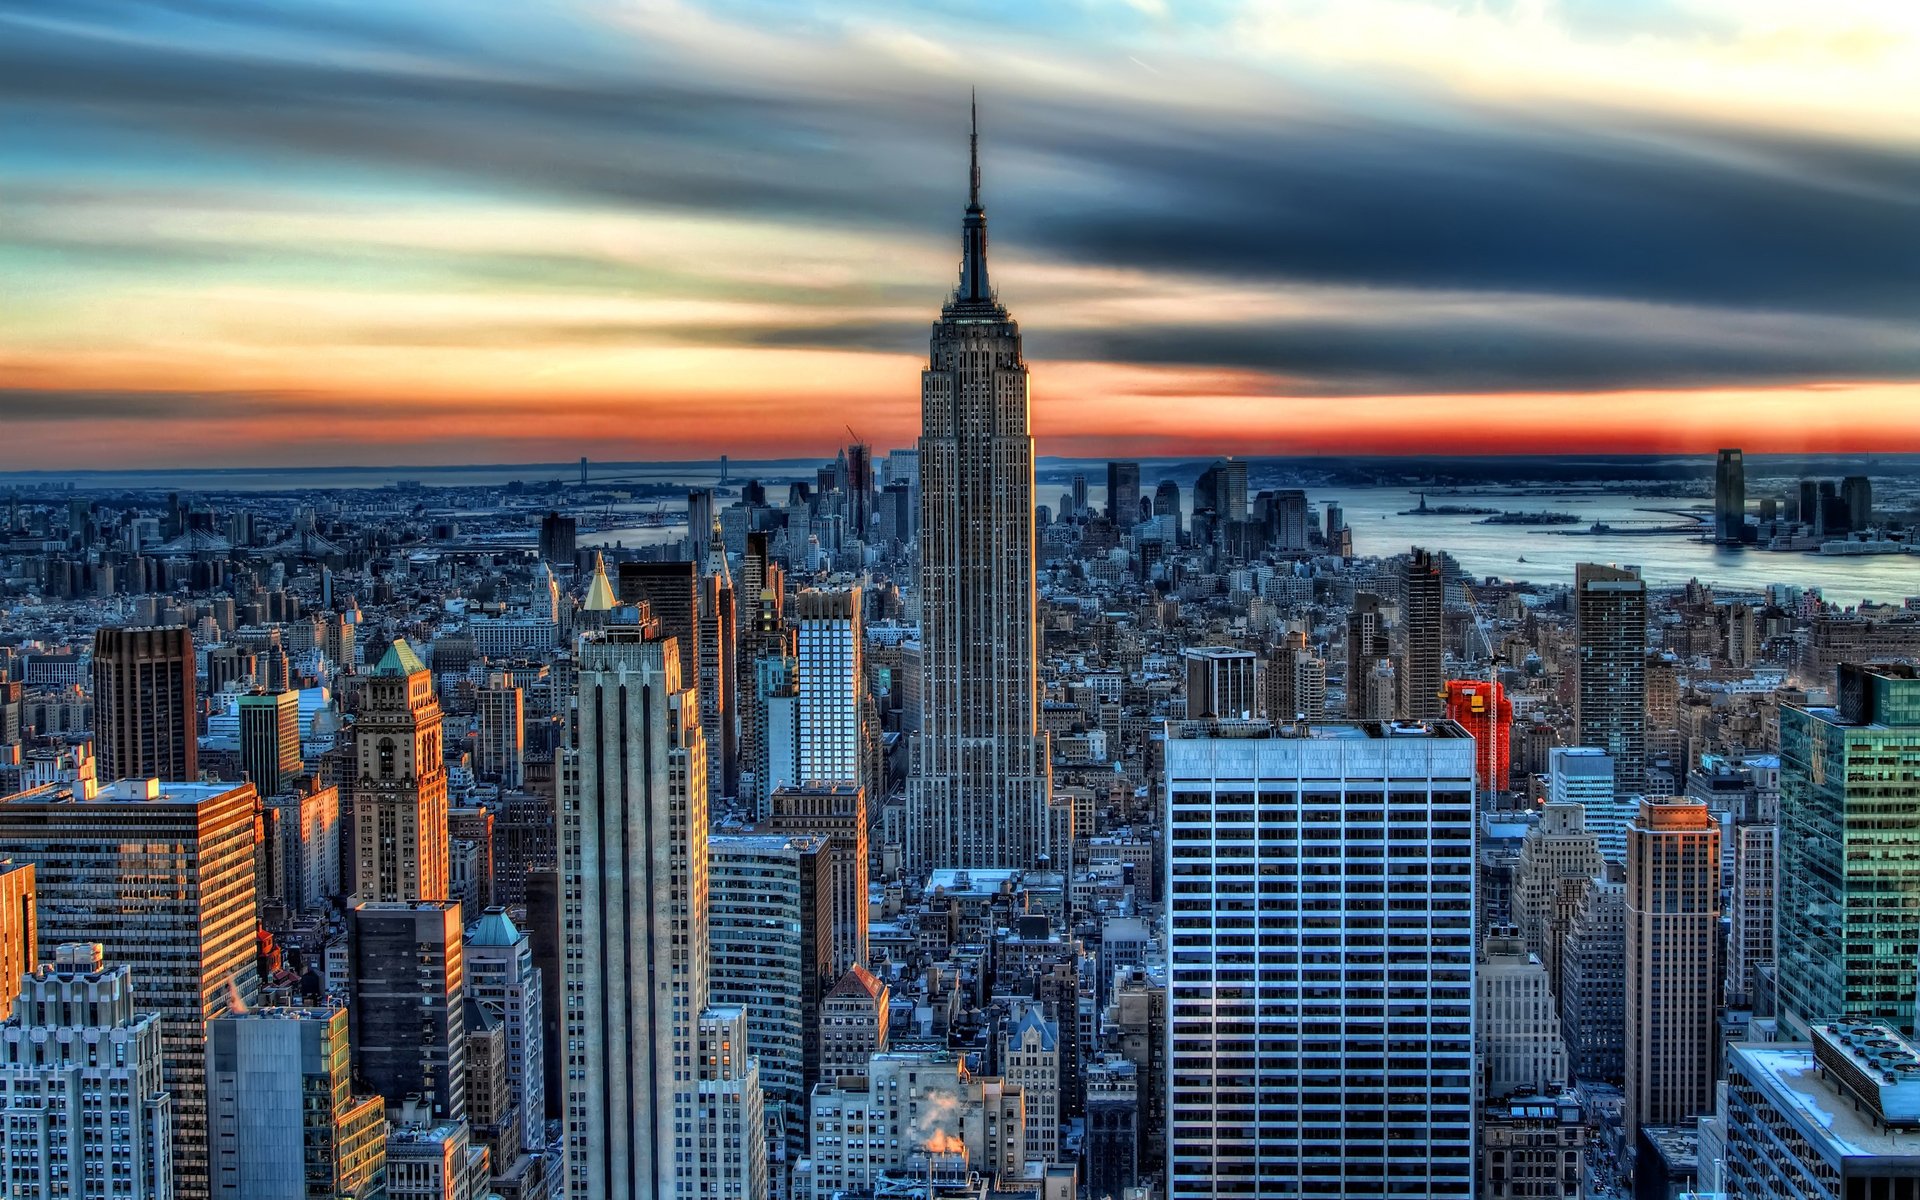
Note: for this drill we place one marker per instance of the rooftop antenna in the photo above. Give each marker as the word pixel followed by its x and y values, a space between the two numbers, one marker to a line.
pixel 973 147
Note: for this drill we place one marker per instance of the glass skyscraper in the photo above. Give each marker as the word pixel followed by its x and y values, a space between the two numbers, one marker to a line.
pixel 1849 884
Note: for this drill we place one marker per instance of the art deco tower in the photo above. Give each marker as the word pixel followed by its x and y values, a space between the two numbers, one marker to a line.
pixel 979 795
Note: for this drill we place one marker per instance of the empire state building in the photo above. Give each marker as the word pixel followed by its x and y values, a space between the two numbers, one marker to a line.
pixel 979 794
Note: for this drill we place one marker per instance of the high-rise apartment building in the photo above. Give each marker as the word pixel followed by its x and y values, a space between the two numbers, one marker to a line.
pixel 1751 908
pixel 978 797
pixel 1367 644
pixel 1849 848
pixel 769 932
pixel 837 812
pixel 1221 682
pixel 1610 686
pixel 1673 919
pixel 1123 494
pixel 407 976
pixel 1423 675
pixel 283 1120
pixel 1584 775
pixel 400 785
pixel 832 687
pixel 84 1110
pixel 500 721
pixel 648 1097
pixel 1321 928
pixel 144 703
pixel 270 740
pixel 180 911
pixel 1729 498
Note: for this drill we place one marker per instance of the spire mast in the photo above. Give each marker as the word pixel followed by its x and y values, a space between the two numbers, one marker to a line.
pixel 973 147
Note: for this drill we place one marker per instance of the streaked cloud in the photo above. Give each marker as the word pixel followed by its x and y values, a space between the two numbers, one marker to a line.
pixel 684 226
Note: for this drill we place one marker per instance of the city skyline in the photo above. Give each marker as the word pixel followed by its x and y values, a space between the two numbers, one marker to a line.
pixel 366 235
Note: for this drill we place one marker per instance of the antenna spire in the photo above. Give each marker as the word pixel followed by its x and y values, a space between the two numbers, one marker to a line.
pixel 973 146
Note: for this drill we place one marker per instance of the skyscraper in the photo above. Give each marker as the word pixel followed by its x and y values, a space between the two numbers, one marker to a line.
pixel 1321 1021
pixel 1483 709
pixel 1367 644
pixel 407 976
pixel 833 686
pixel 837 812
pixel 270 740
pixel 1423 675
pixel 400 789
pixel 1583 775
pixel 1856 492
pixel 83 1086
pixel 179 910
pixel 1123 494
pixel 504 983
pixel 1673 919
pixel 1849 851
pixel 500 751
pixel 284 1122
pixel 1610 690
pixel 19 928
pixel 1729 498
pixel 558 534
pixel 718 633
pixel 979 795
pixel 634 878
pixel 144 703
pixel 1220 682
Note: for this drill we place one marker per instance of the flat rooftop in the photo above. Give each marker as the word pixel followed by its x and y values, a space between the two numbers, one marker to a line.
pixel 128 791
pixel 1262 730
pixel 1825 1113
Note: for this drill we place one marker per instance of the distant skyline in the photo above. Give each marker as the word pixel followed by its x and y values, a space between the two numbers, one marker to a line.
pixel 266 232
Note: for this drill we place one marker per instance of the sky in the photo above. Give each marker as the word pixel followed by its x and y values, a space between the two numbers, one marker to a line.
pixel 261 232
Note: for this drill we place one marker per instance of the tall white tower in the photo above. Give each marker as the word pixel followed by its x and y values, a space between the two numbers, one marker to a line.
pixel 979 793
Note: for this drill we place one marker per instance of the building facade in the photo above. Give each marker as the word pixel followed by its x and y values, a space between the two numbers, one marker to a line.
pixel 145 703
pixel 400 785
pixel 1282 853
pixel 1610 683
pixel 1672 948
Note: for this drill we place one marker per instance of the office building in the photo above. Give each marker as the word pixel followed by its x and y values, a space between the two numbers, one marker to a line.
pixel 764 638
pixel 769 925
pixel 1221 682
pixel 407 977
pixel 1729 499
pixel 1423 676
pixel 400 785
pixel 1849 849
pixel 1830 1119
pixel 1856 496
pixel 718 632
pixel 270 740
pixel 1558 856
pixel 500 723
pixel 84 1109
pixel 1123 494
pixel 1483 710
pixel 558 538
pixel 181 914
pixel 430 1159
pixel 837 812
pixel 1521 1051
pixel 19 928
pixel 145 703
pixel 1533 1148
pixel 1283 851
pixel 1166 507
pixel 832 687
pixel 1593 965
pixel 978 794
pixel 640 1079
pixel 283 1120
pixel 1751 909
pixel 1114 1124
pixel 1673 918
pixel 1610 685
pixel 503 983
pixel 1584 775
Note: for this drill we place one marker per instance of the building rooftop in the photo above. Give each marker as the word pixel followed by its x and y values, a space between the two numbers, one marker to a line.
pixel 1260 730
pixel 1813 1102
pixel 128 791
pixel 399 660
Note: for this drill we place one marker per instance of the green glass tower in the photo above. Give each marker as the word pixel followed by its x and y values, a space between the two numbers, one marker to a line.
pixel 1849 885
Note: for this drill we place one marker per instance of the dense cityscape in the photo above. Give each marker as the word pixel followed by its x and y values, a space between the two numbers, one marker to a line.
pixel 900 828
